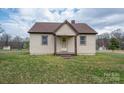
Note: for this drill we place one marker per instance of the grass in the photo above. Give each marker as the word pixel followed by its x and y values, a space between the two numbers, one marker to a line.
pixel 20 67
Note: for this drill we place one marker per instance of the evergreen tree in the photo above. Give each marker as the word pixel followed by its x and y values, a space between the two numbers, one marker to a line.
pixel 114 44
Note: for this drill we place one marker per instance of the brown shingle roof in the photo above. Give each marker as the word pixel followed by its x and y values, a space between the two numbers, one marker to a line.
pixel 45 27
pixel 84 28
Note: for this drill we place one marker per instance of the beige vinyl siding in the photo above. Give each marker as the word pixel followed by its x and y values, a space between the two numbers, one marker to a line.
pixel 71 44
pixel 65 30
pixel 88 48
pixel 36 47
pixel 58 44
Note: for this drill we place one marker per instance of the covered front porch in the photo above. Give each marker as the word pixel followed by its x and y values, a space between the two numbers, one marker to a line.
pixel 65 39
pixel 65 45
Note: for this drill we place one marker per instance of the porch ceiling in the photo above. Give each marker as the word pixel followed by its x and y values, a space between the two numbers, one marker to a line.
pixel 65 35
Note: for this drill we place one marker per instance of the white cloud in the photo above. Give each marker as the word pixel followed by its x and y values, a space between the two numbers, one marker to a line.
pixel 14 29
pixel 102 20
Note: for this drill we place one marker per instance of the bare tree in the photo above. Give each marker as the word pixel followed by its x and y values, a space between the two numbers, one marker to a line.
pixel 1 29
pixel 26 43
pixel 103 40
pixel 5 38
pixel 118 33
pixel 17 42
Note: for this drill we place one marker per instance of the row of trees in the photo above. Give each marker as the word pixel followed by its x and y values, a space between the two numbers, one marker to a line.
pixel 113 40
pixel 14 42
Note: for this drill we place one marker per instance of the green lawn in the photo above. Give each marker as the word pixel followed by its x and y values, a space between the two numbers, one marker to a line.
pixel 20 67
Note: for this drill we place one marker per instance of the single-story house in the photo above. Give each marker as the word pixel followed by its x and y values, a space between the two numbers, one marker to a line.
pixel 62 38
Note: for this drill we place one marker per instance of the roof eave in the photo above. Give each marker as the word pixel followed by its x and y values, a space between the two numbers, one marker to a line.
pixel 88 33
pixel 40 32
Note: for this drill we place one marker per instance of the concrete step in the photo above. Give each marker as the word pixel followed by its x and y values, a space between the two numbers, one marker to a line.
pixel 66 56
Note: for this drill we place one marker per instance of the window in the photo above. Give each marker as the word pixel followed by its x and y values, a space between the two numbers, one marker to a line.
pixel 44 40
pixel 82 40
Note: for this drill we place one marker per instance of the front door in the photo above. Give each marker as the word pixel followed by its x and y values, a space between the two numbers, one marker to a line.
pixel 64 44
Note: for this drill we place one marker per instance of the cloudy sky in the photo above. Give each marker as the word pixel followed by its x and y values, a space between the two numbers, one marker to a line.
pixel 19 21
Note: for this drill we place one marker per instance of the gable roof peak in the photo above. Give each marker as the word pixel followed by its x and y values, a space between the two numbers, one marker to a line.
pixel 68 23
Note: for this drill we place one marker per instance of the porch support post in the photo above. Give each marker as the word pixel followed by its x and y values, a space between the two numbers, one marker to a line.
pixel 75 39
pixel 54 44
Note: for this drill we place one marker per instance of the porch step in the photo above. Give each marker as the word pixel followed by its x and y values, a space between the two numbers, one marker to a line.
pixel 66 56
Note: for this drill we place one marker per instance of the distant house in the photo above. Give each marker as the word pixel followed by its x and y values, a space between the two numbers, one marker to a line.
pixel 62 38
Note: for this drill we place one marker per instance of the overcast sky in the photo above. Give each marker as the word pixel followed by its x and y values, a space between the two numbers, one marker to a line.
pixel 19 21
